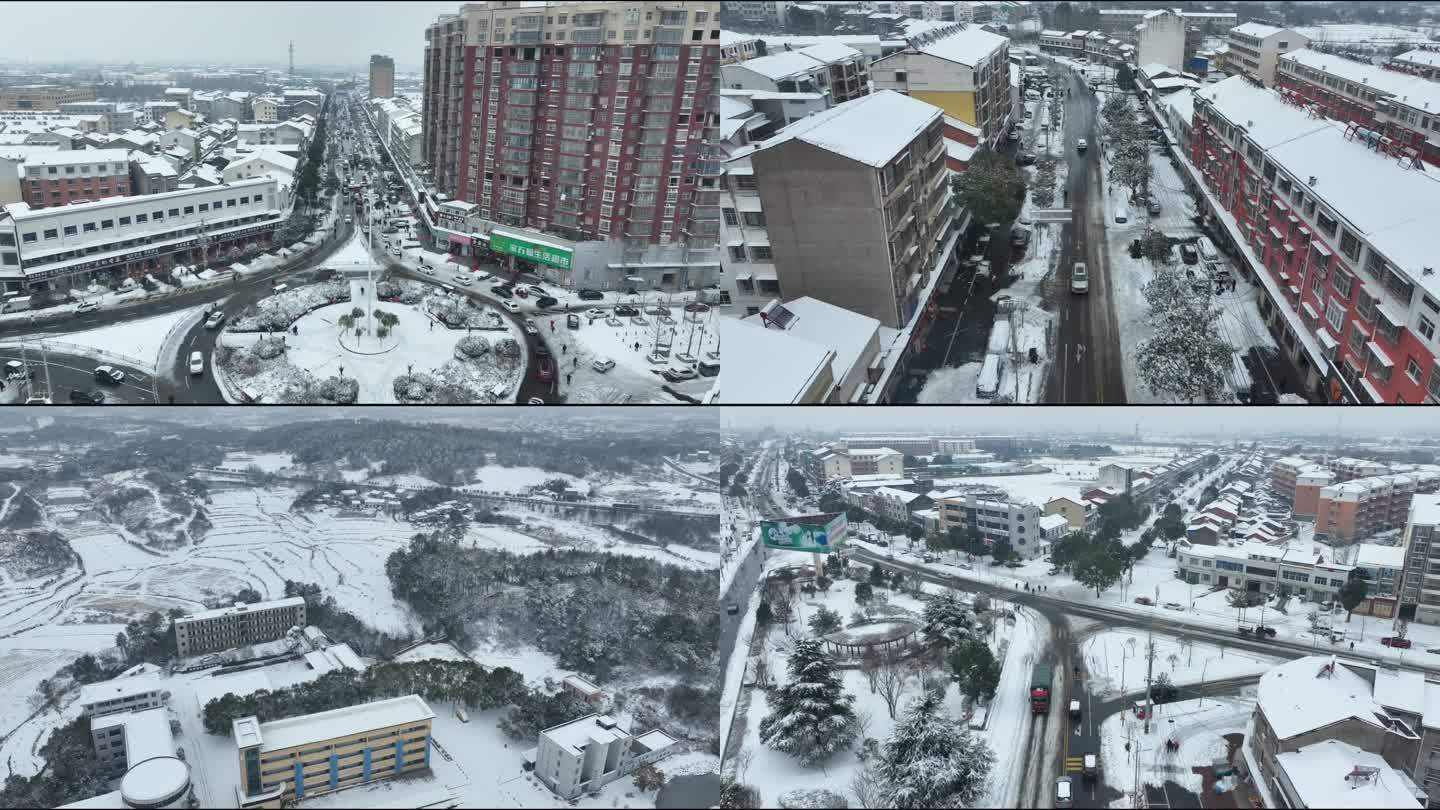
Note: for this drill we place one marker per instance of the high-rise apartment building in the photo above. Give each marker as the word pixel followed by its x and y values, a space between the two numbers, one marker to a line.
pixel 382 76
pixel 237 626
pixel 591 121
pixel 1419 589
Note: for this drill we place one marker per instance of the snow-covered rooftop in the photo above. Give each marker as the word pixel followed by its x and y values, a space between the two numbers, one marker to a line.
pixel 1049 522
pixel 968 46
pixel 871 129
pixel 877 452
pixel 1421 57
pixel 74 156
pixel 1322 776
pixel 273 604
pixel 311 728
pixel 1425 509
pixel 118 689
pixel 1313 692
pixel 848 333
pixel 1255 29
pixel 240 685
pixel 791 364
pixel 578 733
pixel 728 38
pixel 1411 90
pixel 1388 203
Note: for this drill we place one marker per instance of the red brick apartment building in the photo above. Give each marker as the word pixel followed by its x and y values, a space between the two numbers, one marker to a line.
pixel 1301 479
pixel 1401 107
pixel 1346 233
pixel 83 175
pixel 584 119
pixel 1357 509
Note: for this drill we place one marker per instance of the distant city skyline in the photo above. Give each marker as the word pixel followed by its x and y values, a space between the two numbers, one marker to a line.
pixel 1174 420
pixel 212 33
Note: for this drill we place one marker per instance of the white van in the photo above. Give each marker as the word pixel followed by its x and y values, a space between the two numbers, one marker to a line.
pixel 989 383
pixel 1207 249
pixel 1122 214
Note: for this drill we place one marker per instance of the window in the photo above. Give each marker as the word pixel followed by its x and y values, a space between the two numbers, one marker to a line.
pixel 189 209
pixel 203 208
pixel 107 224
pixel 124 221
pixel 1350 246
pixel 1342 284
pixel 175 212
pixel 1326 224
pixel 755 219
pixel 760 253
pixel 1424 326
pixel 51 233
pixel 1335 316
pixel 732 219
pixel 70 230
pixel 89 226
pixel 1413 370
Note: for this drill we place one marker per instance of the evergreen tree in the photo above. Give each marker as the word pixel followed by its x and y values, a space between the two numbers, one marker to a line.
pixel 811 717
pixel 824 621
pixel 946 622
pixel 933 761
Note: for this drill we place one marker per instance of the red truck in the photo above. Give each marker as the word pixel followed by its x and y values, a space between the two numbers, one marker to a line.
pixel 1042 679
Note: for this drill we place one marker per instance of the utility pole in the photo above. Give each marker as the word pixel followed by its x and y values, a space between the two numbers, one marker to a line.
pixel 1149 672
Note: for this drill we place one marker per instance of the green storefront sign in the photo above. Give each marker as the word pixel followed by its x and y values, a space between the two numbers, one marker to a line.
pixel 820 534
pixel 551 255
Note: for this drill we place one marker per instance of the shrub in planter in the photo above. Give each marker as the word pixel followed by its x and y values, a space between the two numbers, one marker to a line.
pixel 508 348
pixel 247 365
pixel 471 346
pixel 339 390
pixel 268 348
pixel 382 332
pixel 413 387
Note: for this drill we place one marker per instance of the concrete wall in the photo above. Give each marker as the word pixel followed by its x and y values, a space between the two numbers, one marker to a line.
pixel 827 233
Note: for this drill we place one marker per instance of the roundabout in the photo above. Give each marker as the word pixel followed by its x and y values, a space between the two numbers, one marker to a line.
pixel 348 347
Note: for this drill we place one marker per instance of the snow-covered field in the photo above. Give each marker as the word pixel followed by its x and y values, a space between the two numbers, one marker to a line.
pixel 1198 725
pixel 517 480
pixel 1115 661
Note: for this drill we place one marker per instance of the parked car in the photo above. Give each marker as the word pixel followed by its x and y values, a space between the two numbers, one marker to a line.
pixel 530 327
pixel 678 374
pixel 510 305
pixel 501 291
pixel 695 306
pixel 427 269
pixel 537 290
pixel 1189 254
pixel 463 279
pixel 602 364
pixel 591 295
pixel 657 310
pixel 520 292
pixel 546 302
pixel 626 311
pixel 594 313
pixel 216 318
pixel 1174 606
pixel 1397 642
pixel 197 363
pixel 1153 207
pixel 1079 278
pixel 91 397
pixel 1144 600
pixel 545 370
pixel 1081 145
pixel 87 306
pixel 109 374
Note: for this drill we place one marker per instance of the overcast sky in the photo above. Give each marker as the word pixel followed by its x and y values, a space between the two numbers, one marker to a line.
pixel 236 33
pixel 1387 420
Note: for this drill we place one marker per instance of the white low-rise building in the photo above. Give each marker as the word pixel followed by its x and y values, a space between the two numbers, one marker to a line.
pixel 586 754
pixel 123 694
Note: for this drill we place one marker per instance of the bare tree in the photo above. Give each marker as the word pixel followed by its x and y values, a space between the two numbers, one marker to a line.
pixel 862 722
pixel 1189 647
pixel 893 680
pixel 866 788
pixel 1173 659
pixel 870 664
pixel 742 764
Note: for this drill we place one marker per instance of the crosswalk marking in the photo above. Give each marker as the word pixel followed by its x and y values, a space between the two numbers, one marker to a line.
pixel 1074 764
